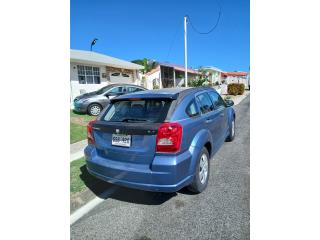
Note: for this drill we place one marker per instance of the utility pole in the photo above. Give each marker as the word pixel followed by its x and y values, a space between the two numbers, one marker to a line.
pixel 185 53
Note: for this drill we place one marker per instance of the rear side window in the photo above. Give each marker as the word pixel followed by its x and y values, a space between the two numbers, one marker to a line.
pixel 144 110
pixel 116 90
pixel 216 100
pixel 205 103
pixel 192 109
pixel 134 89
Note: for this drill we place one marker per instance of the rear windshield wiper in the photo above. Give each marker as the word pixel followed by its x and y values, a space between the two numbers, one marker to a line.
pixel 133 120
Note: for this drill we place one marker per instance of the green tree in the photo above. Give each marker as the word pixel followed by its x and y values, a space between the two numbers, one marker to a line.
pixel 146 63
pixel 201 81
pixel 205 74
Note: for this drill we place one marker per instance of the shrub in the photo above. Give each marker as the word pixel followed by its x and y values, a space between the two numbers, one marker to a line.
pixel 216 83
pixel 223 81
pixel 197 82
pixel 235 89
pixel 156 87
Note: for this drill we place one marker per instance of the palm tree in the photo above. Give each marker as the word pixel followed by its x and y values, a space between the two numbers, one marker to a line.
pixel 146 63
pixel 205 74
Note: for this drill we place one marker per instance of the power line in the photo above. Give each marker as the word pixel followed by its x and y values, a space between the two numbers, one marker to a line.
pixel 172 42
pixel 212 29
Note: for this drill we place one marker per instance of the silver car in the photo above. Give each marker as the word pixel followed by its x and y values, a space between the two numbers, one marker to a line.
pixel 93 102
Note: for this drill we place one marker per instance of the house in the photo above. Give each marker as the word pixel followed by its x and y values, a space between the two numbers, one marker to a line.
pixel 89 71
pixel 167 75
pixel 213 74
pixel 236 77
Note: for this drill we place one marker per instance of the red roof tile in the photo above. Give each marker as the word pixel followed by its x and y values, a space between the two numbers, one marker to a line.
pixel 235 74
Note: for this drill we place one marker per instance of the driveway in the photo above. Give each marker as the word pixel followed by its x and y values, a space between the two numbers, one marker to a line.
pixel 222 211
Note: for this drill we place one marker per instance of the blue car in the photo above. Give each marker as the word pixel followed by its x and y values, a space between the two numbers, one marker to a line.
pixel 160 140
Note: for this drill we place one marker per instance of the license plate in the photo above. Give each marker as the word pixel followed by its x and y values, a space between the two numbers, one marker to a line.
pixel 121 140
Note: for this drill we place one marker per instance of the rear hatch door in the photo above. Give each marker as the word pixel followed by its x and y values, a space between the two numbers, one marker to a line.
pixel 127 131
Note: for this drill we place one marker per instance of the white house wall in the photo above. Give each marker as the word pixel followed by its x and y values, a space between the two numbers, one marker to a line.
pixel 236 79
pixel 78 89
pixel 151 77
pixel 216 77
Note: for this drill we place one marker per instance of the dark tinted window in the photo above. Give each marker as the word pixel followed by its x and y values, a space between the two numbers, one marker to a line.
pixel 116 90
pixel 192 109
pixel 216 99
pixel 145 110
pixel 205 103
pixel 134 89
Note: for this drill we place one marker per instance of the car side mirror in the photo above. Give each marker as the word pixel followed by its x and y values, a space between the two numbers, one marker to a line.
pixel 229 103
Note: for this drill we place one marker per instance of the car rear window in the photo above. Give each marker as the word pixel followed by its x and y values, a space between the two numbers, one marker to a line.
pixel 138 110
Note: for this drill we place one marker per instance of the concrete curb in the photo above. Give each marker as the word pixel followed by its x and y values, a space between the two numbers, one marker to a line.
pixel 76 149
pixel 76 156
pixel 80 212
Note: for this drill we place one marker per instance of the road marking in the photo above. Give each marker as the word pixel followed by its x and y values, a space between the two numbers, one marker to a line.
pixel 90 205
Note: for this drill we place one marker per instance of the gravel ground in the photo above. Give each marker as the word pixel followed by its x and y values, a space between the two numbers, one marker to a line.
pixel 222 211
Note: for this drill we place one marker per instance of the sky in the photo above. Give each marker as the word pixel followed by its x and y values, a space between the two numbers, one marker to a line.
pixel 154 29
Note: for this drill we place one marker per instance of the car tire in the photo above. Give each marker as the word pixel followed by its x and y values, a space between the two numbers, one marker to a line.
pixel 201 176
pixel 94 109
pixel 232 131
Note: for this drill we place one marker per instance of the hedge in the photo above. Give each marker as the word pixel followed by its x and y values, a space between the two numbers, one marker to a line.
pixel 235 89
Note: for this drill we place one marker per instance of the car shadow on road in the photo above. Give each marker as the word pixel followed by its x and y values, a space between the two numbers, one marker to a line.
pixel 107 190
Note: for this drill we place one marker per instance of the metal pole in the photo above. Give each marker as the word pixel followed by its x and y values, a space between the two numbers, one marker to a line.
pixel 185 53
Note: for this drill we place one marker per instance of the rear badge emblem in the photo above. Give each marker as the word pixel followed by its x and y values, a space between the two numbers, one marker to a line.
pixel 117 130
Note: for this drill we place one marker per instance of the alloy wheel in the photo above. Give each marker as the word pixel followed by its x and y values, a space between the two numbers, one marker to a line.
pixel 203 168
pixel 95 110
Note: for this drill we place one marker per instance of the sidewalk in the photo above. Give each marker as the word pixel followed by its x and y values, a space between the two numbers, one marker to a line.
pixel 237 99
pixel 76 149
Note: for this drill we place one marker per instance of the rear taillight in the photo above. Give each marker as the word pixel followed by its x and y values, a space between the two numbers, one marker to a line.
pixel 169 137
pixel 90 132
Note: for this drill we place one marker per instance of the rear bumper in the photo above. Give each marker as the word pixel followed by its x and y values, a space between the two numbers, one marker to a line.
pixel 165 174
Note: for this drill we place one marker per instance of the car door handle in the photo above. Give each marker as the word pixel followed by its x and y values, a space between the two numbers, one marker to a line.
pixel 209 120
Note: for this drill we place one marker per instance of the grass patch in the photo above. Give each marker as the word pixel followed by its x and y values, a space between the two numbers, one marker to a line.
pixel 78 126
pixel 80 178
pixel 77 132
pixel 84 117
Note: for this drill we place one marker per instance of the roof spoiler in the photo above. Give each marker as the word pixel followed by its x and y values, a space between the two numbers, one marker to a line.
pixel 137 97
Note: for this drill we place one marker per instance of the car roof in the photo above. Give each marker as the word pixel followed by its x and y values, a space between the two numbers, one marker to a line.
pixel 123 84
pixel 171 93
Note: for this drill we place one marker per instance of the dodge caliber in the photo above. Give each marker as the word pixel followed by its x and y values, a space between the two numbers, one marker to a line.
pixel 160 140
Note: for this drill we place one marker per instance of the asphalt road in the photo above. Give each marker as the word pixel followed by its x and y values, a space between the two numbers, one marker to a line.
pixel 222 211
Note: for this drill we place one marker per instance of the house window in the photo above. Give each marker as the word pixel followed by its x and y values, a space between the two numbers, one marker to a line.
pixel 115 74
pixel 88 74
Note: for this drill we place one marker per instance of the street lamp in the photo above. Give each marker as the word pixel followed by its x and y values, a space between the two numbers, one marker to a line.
pixel 93 43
